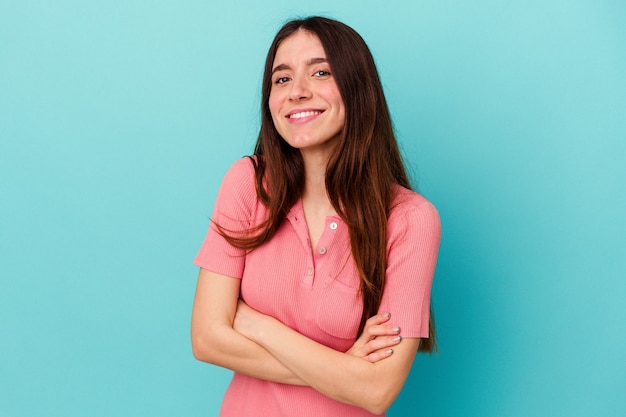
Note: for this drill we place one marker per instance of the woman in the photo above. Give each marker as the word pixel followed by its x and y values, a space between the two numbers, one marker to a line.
pixel 313 235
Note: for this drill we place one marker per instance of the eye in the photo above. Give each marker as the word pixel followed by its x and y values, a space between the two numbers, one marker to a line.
pixel 321 73
pixel 281 80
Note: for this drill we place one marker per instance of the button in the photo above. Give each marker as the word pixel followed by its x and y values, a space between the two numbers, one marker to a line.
pixel 333 225
pixel 322 250
pixel 309 271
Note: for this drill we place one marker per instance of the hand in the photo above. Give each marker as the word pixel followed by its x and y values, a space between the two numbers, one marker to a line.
pixel 247 319
pixel 373 345
pixel 377 338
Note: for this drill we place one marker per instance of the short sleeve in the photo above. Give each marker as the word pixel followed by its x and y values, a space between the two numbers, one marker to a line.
pixel 414 233
pixel 234 211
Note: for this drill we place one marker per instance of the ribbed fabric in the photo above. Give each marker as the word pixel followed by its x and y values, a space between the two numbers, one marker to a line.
pixel 316 293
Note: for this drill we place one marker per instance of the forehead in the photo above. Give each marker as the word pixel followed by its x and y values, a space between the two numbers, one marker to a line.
pixel 300 45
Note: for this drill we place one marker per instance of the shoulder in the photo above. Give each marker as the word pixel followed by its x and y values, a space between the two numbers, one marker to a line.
pixel 241 172
pixel 405 201
pixel 411 211
pixel 238 185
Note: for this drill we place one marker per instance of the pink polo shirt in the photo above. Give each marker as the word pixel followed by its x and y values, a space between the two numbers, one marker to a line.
pixel 317 292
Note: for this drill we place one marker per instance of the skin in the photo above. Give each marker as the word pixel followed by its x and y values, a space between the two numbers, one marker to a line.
pixel 343 377
pixel 229 333
pixel 216 340
pixel 302 81
pixel 305 102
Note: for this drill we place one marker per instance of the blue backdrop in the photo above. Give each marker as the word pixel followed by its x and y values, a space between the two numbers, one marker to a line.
pixel 119 118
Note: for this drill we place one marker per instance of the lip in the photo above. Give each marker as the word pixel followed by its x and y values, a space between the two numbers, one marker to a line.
pixel 304 115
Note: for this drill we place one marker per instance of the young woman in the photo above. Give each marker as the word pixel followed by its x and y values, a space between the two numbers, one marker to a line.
pixel 316 270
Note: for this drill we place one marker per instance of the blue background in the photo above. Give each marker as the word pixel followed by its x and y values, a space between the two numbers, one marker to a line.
pixel 119 118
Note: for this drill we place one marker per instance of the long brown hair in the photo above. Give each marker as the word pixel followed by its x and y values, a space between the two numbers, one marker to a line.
pixel 362 169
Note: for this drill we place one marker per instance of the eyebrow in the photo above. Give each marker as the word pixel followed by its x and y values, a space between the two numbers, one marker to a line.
pixel 311 61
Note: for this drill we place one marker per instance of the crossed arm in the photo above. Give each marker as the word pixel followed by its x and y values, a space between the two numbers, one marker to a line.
pixel 227 332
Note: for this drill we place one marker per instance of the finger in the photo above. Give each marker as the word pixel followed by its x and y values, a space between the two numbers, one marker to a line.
pixel 378 319
pixel 382 330
pixel 374 328
pixel 380 343
pixel 375 345
pixel 379 355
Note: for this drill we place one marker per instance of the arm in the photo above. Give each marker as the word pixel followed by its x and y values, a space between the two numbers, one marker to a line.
pixel 343 377
pixel 215 341
pixel 413 239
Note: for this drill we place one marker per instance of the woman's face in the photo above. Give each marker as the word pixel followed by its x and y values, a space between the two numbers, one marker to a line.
pixel 304 101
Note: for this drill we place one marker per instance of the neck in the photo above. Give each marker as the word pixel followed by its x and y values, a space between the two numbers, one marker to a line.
pixel 314 195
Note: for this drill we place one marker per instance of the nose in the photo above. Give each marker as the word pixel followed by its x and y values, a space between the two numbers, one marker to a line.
pixel 300 89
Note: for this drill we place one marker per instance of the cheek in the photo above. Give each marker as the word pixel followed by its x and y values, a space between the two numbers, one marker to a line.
pixel 335 97
pixel 342 111
pixel 274 104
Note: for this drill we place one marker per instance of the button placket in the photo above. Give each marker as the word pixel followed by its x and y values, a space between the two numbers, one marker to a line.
pixel 309 274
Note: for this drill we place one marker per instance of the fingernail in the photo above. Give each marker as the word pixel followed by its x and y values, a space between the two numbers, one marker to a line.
pixel 388 315
pixel 389 351
pixel 397 338
pixel 396 329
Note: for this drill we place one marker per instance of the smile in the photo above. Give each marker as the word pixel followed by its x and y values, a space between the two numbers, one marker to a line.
pixel 304 114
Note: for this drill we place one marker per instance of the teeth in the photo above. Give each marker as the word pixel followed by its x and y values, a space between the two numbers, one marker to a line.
pixel 303 114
